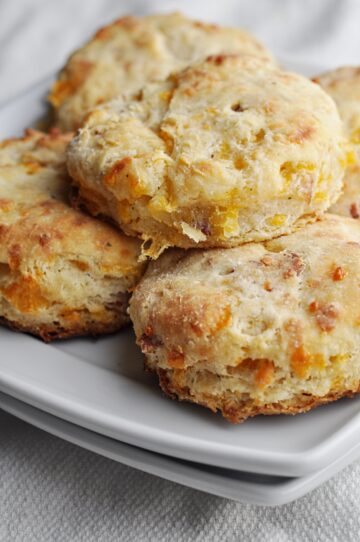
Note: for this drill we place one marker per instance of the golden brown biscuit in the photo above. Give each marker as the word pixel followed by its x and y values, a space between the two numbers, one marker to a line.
pixel 62 273
pixel 264 328
pixel 228 151
pixel 132 51
pixel 343 85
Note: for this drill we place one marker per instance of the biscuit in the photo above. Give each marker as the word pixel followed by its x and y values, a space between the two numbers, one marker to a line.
pixel 132 51
pixel 343 85
pixel 62 273
pixel 264 328
pixel 229 150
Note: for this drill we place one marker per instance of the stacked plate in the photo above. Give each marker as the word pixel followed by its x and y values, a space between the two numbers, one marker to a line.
pixel 95 394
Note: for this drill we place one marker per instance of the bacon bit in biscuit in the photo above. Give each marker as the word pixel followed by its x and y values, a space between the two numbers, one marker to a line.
pixel 238 108
pixel 4 270
pixel 264 374
pixel 296 266
pixel 55 133
pixel 266 260
pixel 313 306
pixel 267 286
pixel 297 263
pixel 188 91
pixel 354 211
pixel 260 136
pixel 230 411
pixel 203 226
pixel 196 328
pixel 3 231
pixel 14 256
pixel 148 341
pixel 83 266
pixel 216 59
pixel 301 134
pixel 338 274
pixel 326 316
pixel 240 162
pixel 175 359
pixel 44 239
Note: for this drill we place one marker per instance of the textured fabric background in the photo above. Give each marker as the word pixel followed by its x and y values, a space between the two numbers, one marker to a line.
pixel 53 491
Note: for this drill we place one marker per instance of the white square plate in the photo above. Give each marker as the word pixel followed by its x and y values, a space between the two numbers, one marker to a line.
pixel 100 385
pixel 244 487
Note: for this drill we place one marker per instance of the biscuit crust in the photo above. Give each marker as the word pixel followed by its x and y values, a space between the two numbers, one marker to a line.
pixel 228 151
pixel 343 85
pixel 133 51
pixel 264 328
pixel 237 410
pixel 62 273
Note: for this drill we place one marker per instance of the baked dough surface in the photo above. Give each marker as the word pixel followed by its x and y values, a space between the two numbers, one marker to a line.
pixel 264 328
pixel 229 150
pixel 133 51
pixel 343 85
pixel 62 273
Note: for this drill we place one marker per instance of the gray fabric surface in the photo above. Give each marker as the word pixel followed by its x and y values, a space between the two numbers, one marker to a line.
pixel 53 491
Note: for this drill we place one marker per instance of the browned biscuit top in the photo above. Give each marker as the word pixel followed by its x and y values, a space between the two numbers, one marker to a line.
pixel 133 51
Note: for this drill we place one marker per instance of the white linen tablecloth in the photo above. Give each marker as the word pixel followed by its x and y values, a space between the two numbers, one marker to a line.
pixel 53 491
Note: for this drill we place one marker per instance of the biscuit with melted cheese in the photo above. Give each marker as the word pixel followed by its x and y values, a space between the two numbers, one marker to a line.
pixel 229 150
pixel 264 328
pixel 343 85
pixel 133 51
pixel 62 273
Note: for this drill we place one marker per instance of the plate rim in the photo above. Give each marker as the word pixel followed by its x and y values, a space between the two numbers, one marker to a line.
pixel 178 471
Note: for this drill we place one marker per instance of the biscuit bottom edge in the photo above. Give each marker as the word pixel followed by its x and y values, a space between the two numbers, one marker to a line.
pixel 236 409
pixel 54 331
